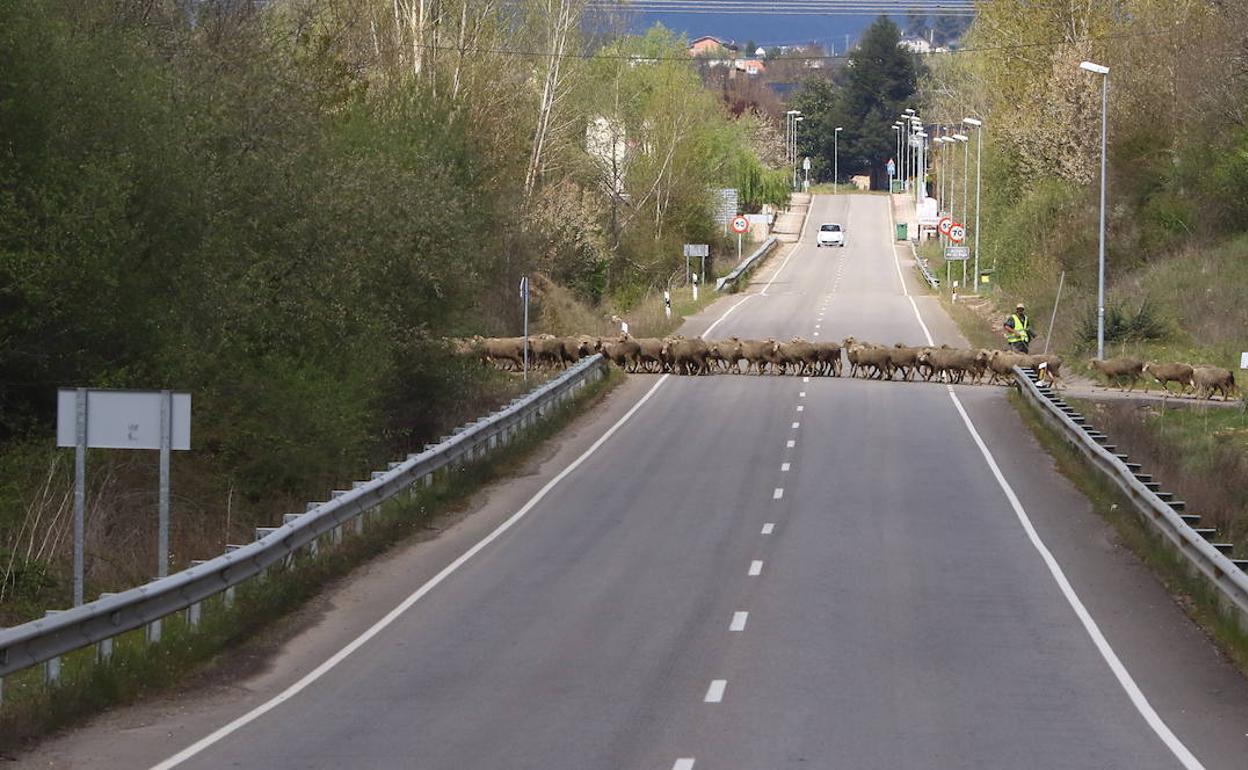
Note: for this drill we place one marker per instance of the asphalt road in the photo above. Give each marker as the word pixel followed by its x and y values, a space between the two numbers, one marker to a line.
pixel 757 572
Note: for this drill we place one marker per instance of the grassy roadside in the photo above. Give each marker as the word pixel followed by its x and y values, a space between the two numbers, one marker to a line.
pixel 31 710
pixel 1192 594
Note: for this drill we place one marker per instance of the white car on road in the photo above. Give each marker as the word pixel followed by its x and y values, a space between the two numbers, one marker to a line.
pixel 830 234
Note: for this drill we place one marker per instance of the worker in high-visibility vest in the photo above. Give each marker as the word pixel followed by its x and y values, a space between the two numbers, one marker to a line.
pixel 1018 331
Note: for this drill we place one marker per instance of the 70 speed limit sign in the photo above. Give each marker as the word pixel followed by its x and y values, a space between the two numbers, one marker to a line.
pixel 957 233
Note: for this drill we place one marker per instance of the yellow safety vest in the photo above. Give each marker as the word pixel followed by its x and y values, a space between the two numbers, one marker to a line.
pixel 1022 330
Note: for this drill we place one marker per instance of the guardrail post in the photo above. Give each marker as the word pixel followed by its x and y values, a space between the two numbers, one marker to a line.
pixel 104 647
pixel 153 631
pixel 52 667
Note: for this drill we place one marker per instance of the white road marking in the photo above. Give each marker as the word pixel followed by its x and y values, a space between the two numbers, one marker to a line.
pixel 801 408
pixel 784 467
pixel 756 568
pixel 816 334
pixel 796 425
pixel 778 493
pixel 805 379
pixel 779 270
pixel 768 528
pixel 390 617
pixel 817 326
pixel 738 621
pixel 715 693
pixel 790 444
pixel 684 763
pixel 1125 680
pixel 802 394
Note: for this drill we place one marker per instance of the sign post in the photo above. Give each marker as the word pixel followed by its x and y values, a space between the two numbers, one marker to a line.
pixel 524 297
pixel 739 225
pixel 695 287
pixel 121 419
pixel 957 234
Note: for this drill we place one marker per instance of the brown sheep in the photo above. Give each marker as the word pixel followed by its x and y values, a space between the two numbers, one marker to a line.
pixel 1167 373
pixel 1208 379
pixel 759 353
pixel 729 354
pixel 799 354
pixel 650 354
pixel 687 356
pixel 904 359
pixel 1118 369
pixel 951 364
pixel 623 351
pixel 496 350
pixel 828 356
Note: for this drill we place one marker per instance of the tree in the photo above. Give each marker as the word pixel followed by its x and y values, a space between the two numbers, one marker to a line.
pixel 881 81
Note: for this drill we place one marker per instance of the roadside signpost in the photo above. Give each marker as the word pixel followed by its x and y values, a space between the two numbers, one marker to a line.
pixel 739 225
pixel 957 253
pixel 943 226
pixel 700 250
pixel 957 233
pixel 121 419
pixel 524 297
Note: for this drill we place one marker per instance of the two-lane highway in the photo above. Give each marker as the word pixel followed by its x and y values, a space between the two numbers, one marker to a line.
pixel 757 572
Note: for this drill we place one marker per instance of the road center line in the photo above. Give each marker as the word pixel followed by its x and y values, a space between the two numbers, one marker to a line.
pixel 784 467
pixel 778 493
pixel 768 528
pixel 802 394
pixel 738 621
pixel 390 617
pixel 684 763
pixel 715 693
pixel 756 568
pixel 790 444
pixel 801 408
pixel 796 425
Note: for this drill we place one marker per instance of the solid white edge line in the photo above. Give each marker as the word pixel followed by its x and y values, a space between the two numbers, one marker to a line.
pixel 1125 680
pixel 394 614
pixel 684 763
pixel 715 693
pixel 768 528
pixel 1138 699
pixel 756 568
pixel 738 621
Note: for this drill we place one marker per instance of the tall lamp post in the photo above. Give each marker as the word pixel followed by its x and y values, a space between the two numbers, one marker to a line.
pixel 796 120
pixel 978 125
pixel 836 159
pixel 906 117
pixel 896 156
pixel 966 172
pixel 790 144
pixel 1103 71
pixel 920 189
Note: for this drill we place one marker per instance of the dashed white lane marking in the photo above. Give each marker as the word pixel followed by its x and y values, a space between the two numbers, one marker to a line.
pixel 715 693
pixel 768 528
pixel 805 379
pixel 802 394
pixel 684 763
pixel 778 493
pixel 818 326
pixel 756 568
pixel 801 408
pixel 1125 680
pixel 796 425
pixel 790 444
pixel 816 334
pixel 738 621
pixel 390 617
pixel 784 467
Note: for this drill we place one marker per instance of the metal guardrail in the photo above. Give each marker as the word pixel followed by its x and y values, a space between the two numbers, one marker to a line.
pixel 1221 572
pixel 46 639
pixel 932 280
pixel 747 264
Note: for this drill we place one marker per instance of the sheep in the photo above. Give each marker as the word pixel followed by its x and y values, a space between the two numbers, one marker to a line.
pixel 1001 364
pixel 1208 379
pixel 650 354
pixel 623 351
pixel 1166 373
pixel 499 349
pixel 951 364
pixel 903 358
pixel 687 356
pixel 1115 369
pixel 728 353
pixel 798 353
pixel 828 356
pixel 759 353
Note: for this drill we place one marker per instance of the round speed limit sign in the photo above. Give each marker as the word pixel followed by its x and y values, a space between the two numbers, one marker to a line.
pixel 943 225
pixel 957 233
pixel 740 224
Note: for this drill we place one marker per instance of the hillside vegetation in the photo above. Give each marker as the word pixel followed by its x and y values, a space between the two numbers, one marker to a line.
pixel 283 208
pixel 1178 166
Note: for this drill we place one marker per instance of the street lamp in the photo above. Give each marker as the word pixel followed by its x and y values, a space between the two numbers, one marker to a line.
pixel 966 171
pixel 896 157
pixel 979 158
pixel 836 159
pixel 920 189
pixel 797 119
pixel 1103 71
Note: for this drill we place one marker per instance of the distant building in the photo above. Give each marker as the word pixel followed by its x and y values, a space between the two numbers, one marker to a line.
pixel 709 46
pixel 750 66
pixel 920 45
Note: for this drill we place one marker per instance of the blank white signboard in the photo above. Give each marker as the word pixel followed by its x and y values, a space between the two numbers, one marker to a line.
pixel 122 419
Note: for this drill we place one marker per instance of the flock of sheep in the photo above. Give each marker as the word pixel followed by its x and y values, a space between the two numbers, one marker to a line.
pixel 695 356
pixel 1204 381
